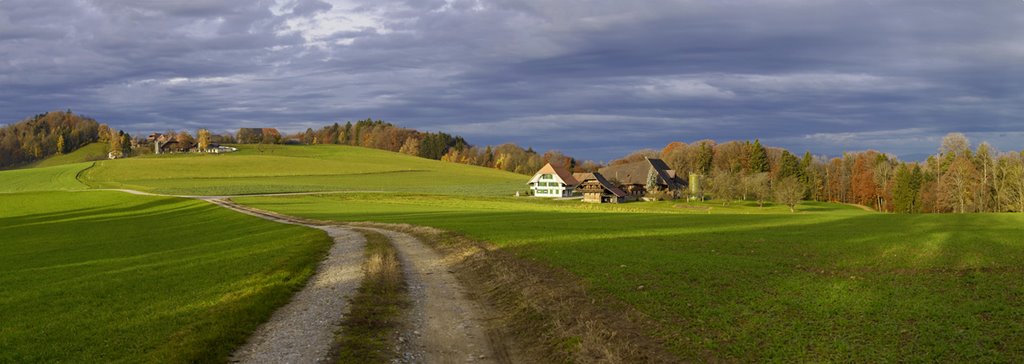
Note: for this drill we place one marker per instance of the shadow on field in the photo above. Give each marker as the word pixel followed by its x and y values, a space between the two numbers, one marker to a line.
pixel 864 288
pixel 95 213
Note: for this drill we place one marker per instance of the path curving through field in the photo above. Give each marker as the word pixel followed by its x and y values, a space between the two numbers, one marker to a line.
pixel 303 330
pixel 443 326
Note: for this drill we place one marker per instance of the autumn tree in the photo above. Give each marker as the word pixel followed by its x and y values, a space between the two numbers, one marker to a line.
pixel 184 138
pixel 203 139
pixel 103 133
pixel 862 180
pixel 411 146
pixel 114 139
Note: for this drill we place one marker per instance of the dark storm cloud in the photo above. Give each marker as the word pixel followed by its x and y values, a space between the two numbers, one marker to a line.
pixel 593 78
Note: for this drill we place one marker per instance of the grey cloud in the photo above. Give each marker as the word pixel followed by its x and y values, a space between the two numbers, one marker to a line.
pixel 594 78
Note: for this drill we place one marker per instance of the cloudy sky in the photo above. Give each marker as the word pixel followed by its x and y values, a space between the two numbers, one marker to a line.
pixel 595 79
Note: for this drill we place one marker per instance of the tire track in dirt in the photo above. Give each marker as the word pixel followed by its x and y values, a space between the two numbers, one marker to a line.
pixel 444 325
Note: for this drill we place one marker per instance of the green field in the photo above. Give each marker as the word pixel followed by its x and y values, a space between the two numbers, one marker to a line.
pixel 57 178
pixel 831 283
pixel 88 153
pixel 105 276
pixel 299 169
pixel 113 277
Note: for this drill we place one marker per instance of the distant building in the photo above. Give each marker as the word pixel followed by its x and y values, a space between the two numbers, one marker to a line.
pixel 173 146
pixel 553 181
pixel 634 178
pixel 597 189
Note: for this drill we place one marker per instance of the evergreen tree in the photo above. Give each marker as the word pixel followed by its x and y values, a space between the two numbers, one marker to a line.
pixel 758 158
pixel 906 192
pixel 705 156
pixel 789 166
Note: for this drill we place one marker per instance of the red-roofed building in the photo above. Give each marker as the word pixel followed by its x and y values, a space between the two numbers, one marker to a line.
pixel 553 181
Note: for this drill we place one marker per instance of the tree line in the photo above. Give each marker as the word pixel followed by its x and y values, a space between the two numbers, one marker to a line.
pixel 378 134
pixel 956 179
pixel 44 135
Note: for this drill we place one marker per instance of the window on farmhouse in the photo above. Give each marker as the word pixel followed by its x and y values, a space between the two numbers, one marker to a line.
pixel 546 176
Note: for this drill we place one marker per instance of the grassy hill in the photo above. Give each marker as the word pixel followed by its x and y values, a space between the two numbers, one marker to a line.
pixel 94 276
pixel 299 169
pixel 831 283
pixel 87 153
pixel 56 178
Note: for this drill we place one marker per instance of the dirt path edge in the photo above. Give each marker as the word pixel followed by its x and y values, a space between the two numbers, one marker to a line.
pixel 542 314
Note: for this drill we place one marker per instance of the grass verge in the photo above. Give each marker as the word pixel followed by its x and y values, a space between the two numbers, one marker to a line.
pixel 108 277
pixel 367 332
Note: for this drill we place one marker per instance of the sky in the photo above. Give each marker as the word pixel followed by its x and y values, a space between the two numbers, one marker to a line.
pixel 595 79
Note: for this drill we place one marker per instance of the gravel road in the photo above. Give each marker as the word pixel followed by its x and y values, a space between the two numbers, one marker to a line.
pixel 444 325
pixel 303 330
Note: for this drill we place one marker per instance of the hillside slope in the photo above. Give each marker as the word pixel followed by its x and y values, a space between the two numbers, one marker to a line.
pixel 100 276
pixel 57 178
pixel 87 153
pixel 282 169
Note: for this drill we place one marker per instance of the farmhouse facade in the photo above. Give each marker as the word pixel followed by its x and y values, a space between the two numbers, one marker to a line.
pixel 553 181
pixel 597 189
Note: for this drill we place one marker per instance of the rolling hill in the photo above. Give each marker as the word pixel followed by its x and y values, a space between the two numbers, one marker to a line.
pixel 280 169
pixel 88 153
pixel 98 276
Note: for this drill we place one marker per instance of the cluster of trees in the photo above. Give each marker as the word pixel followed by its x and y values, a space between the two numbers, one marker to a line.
pixel 118 142
pixel 44 135
pixel 258 136
pixel 439 146
pixel 957 179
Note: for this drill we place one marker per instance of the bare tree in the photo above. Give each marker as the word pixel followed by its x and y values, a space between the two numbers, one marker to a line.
pixel 959 185
pixel 789 191
pixel 724 185
pixel 955 144
pixel 1010 183
pixel 758 185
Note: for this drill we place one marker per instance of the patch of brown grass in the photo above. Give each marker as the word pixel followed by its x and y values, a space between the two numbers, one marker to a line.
pixel 378 308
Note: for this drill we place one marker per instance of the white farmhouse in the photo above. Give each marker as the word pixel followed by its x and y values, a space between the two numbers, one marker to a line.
pixel 553 181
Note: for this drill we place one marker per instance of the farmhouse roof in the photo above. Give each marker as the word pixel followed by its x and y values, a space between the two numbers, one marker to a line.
pixel 636 173
pixel 557 170
pixel 586 177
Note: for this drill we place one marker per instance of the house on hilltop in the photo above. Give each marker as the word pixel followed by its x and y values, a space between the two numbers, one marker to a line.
pixel 553 181
pixel 634 178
